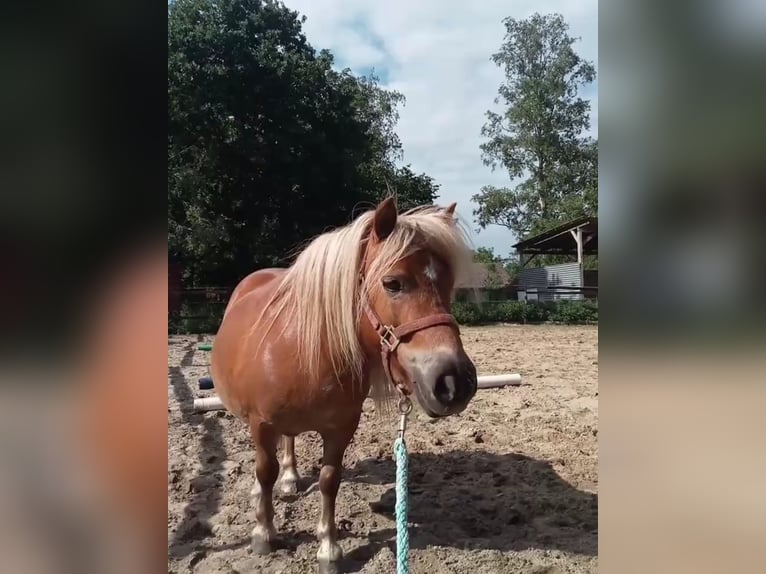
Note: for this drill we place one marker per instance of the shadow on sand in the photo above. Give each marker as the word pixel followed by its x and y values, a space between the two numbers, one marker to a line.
pixel 481 500
pixel 206 495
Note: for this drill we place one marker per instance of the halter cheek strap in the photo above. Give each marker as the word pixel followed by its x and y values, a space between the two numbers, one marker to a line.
pixel 390 338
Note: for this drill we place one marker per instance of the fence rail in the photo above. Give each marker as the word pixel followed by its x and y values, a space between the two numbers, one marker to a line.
pixel 200 310
pixel 197 309
pixel 550 292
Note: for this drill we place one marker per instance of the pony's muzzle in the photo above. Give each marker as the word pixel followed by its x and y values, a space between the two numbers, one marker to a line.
pixel 445 383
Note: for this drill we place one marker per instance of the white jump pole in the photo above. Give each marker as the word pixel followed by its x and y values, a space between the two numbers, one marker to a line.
pixel 495 381
pixel 484 382
pixel 208 404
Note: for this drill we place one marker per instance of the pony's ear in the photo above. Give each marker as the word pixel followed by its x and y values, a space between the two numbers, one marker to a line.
pixel 384 220
pixel 449 213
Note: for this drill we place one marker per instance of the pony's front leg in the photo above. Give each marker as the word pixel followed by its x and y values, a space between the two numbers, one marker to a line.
pixel 334 446
pixel 266 473
pixel 288 484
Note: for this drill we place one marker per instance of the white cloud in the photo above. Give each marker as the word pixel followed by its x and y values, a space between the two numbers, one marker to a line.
pixel 436 52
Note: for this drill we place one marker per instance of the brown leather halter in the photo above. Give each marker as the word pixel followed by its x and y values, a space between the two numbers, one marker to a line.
pixel 391 337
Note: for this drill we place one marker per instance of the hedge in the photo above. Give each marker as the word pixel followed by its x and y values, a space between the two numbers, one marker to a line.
pixel 565 311
pixel 205 317
pixel 196 317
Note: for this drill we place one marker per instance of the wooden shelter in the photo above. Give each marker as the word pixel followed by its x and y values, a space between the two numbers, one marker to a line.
pixel 576 238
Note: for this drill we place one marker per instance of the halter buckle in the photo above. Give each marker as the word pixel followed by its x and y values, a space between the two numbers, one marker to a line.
pixel 388 337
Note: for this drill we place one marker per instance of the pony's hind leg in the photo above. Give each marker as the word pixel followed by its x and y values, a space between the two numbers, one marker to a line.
pixel 288 484
pixel 334 446
pixel 266 472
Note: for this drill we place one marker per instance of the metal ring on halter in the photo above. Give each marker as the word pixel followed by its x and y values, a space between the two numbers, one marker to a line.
pixel 404 406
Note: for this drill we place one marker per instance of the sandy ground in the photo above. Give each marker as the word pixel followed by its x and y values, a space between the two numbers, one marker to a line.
pixel 510 485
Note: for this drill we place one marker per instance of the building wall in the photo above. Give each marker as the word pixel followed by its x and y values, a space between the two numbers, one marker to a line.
pixel 561 275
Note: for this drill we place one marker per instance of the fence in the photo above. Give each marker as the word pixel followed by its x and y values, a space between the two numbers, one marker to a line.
pixel 569 311
pixel 201 310
pixel 197 310
pixel 557 293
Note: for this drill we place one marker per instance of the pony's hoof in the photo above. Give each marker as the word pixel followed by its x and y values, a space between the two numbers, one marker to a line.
pixel 261 540
pixel 261 547
pixel 288 487
pixel 329 557
pixel 288 483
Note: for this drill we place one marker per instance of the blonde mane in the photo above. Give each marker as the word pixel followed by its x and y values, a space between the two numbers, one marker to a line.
pixel 323 291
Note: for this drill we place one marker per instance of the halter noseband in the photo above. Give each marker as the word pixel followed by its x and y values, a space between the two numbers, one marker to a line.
pixel 390 338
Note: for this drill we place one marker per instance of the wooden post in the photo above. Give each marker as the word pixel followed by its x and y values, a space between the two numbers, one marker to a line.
pixel 580 261
pixel 577 234
pixel 526 262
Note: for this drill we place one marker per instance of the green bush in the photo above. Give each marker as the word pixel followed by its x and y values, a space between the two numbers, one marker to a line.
pixel 204 317
pixel 467 313
pixel 196 317
pixel 575 312
pixel 568 312
pixel 508 311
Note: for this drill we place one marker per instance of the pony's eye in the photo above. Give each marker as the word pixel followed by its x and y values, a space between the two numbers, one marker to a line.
pixel 392 284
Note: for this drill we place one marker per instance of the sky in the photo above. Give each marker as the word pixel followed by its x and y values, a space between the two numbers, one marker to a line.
pixel 437 53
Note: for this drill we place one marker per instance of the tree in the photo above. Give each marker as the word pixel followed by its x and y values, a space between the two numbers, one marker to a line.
pixel 268 145
pixel 537 139
pixel 486 255
pixel 411 189
pixel 493 264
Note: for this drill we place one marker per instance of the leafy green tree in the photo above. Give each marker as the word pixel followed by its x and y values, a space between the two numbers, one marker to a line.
pixel 411 189
pixel 538 138
pixel 486 255
pixel 493 263
pixel 268 145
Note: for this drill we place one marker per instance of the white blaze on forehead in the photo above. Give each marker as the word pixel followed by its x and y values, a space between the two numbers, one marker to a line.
pixel 430 270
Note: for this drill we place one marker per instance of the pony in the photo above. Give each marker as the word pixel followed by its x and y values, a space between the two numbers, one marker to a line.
pixel 364 310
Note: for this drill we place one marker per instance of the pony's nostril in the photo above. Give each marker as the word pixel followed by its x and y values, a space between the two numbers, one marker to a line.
pixel 472 375
pixel 445 389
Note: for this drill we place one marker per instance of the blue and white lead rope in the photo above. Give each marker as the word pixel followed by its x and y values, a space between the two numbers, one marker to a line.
pixel 400 455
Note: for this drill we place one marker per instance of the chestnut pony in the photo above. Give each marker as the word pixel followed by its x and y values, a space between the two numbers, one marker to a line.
pixel 363 310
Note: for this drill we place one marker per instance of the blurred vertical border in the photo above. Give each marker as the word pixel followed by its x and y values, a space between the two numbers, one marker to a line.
pixel 683 369
pixel 83 286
